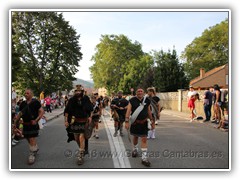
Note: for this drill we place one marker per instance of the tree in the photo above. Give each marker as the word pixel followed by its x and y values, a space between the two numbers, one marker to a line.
pixel 46 49
pixel 168 73
pixel 113 54
pixel 138 73
pixel 207 51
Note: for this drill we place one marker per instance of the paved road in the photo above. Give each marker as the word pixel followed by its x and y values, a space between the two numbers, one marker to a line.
pixel 179 144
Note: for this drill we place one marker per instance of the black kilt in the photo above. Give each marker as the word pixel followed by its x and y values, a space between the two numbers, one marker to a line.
pixel 77 127
pixel 30 130
pixel 139 129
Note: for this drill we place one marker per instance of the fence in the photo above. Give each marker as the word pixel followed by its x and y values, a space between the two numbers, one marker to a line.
pixel 177 101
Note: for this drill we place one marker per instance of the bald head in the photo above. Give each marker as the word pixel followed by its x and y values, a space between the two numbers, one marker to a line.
pixel 28 94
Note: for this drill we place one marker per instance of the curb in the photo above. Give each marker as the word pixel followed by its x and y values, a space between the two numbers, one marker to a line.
pixel 56 116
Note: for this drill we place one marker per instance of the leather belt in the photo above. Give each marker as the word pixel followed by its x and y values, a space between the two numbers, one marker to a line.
pixel 80 119
pixel 140 121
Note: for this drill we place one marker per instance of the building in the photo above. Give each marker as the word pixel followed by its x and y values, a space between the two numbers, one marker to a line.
pixel 217 75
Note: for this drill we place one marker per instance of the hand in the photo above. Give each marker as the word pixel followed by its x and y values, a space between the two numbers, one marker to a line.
pixel 90 120
pixel 66 124
pixel 33 122
pixel 126 125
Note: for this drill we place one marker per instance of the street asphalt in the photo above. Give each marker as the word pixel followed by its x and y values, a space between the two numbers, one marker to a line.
pixel 179 144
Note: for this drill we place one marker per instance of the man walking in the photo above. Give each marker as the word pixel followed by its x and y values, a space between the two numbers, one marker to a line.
pixel 78 111
pixel 31 112
pixel 139 128
pixel 119 105
pixel 155 108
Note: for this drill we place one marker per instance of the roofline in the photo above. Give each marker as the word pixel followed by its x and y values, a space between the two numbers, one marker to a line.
pixel 198 79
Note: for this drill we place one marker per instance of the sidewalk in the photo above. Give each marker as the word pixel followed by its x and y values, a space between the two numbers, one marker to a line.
pixel 187 116
pixel 54 114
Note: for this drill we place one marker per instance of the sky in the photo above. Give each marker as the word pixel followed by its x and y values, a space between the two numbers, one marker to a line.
pixel 155 30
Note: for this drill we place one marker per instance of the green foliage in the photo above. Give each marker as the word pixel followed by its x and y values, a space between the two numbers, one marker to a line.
pixel 111 62
pixel 207 51
pixel 168 73
pixel 137 72
pixel 45 51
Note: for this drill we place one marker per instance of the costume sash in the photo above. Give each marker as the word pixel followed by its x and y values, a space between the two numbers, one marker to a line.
pixel 137 111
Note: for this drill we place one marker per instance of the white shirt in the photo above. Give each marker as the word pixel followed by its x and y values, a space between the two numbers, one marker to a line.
pixel 14 95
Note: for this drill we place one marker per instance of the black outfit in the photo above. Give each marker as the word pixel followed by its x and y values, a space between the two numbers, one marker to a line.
pixel 207 104
pixel 49 108
pixel 30 112
pixel 80 109
pixel 120 102
pixel 139 127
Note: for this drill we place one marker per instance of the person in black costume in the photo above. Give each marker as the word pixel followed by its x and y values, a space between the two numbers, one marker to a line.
pixel 78 111
pixel 31 112
pixel 139 128
pixel 119 106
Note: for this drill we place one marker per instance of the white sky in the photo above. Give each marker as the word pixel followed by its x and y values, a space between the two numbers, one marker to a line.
pixel 154 30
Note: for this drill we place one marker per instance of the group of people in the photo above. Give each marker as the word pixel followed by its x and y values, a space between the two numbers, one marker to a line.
pixel 138 114
pixel 82 110
pixel 50 102
pixel 122 109
pixel 212 97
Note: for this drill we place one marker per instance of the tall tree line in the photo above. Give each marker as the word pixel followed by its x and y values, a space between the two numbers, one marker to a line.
pixel 121 64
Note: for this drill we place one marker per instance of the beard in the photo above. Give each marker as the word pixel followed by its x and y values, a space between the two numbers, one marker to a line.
pixel 79 95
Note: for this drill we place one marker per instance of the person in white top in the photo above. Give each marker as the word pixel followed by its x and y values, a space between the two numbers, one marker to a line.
pixel 191 102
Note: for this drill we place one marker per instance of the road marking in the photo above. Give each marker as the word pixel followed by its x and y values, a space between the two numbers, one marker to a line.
pixel 116 145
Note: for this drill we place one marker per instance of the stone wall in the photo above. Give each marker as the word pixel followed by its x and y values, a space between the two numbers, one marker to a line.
pixel 177 101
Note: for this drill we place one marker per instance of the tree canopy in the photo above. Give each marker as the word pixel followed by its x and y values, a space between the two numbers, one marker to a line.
pixel 169 72
pixel 113 54
pixel 208 51
pixel 45 51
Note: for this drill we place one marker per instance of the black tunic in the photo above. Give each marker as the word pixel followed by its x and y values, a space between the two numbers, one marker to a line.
pixel 138 128
pixel 120 102
pixel 80 109
pixel 30 112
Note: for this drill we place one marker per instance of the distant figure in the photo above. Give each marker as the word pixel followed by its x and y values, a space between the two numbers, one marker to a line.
pixel 207 104
pixel 48 101
pixel 191 102
pixel 42 98
pixel 119 106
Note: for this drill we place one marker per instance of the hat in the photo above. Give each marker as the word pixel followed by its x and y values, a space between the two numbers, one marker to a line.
pixel 79 87
pixel 190 86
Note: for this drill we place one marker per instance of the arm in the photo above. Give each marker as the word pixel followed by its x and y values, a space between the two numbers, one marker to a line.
pixel 217 96
pixel 40 114
pixel 127 116
pixel 150 113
